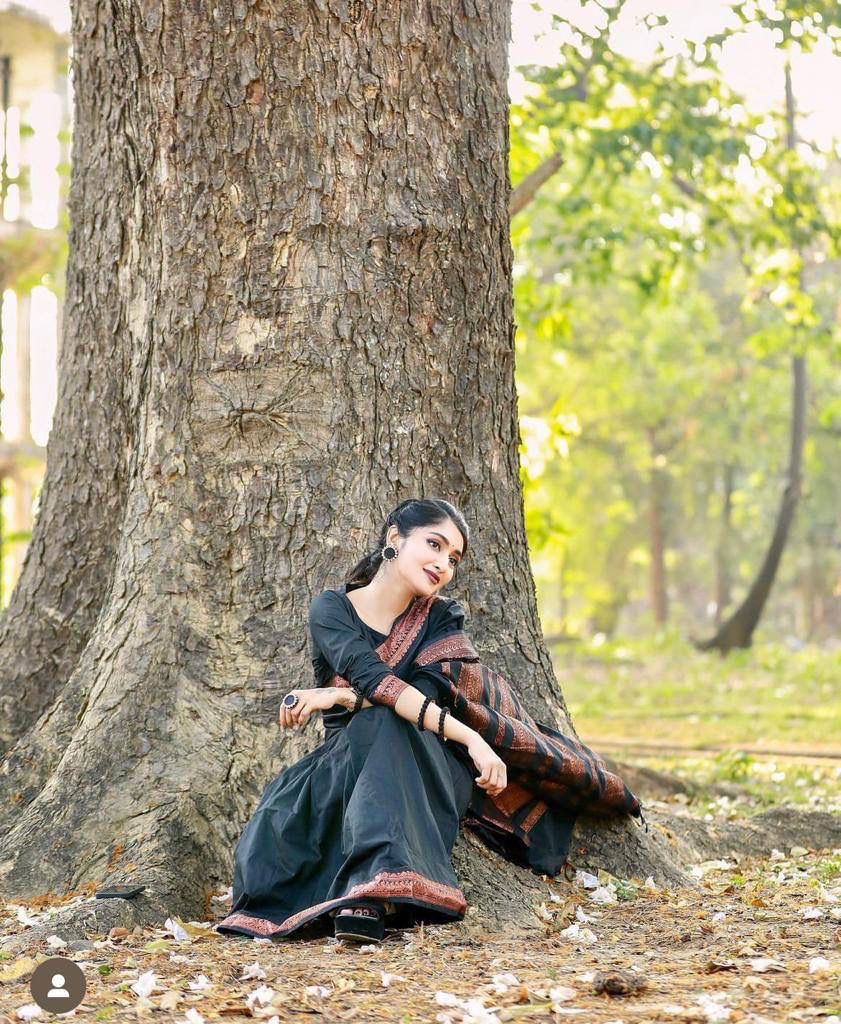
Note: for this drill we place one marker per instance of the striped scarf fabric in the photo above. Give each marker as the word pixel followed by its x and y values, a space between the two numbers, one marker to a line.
pixel 552 778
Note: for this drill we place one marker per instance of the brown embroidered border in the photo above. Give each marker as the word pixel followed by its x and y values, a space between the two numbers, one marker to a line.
pixel 384 885
pixel 388 690
pixel 454 645
pixel 537 812
pixel 397 643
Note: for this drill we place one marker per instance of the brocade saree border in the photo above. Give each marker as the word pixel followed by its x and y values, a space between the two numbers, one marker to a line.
pixel 385 885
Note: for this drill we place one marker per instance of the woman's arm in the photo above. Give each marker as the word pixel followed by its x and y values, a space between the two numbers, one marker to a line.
pixel 408 706
pixel 349 653
pixel 493 777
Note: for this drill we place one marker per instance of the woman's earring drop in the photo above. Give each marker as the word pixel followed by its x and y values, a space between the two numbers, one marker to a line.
pixel 389 552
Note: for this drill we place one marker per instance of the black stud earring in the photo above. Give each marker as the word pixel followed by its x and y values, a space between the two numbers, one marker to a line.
pixel 389 552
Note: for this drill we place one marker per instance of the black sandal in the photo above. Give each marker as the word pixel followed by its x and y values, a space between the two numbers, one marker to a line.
pixel 361 927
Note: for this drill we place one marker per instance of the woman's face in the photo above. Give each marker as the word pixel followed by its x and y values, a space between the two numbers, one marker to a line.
pixel 428 550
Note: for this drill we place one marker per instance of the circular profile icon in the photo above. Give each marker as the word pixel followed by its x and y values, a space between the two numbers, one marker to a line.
pixel 58 985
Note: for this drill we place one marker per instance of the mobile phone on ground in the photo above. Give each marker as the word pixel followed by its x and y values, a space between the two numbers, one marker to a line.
pixel 123 892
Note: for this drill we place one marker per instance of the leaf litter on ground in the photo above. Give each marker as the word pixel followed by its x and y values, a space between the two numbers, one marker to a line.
pixel 740 949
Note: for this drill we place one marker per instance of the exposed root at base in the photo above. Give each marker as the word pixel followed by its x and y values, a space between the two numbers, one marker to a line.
pixel 90 918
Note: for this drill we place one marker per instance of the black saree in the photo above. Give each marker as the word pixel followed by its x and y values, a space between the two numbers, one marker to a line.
pixel 373 813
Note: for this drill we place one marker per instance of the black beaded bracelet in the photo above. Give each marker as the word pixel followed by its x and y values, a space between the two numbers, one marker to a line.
pixel 422 714
pixel 359 698
pixel 441 717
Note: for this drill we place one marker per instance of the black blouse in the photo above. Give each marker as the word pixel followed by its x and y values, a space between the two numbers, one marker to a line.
pixel 342 644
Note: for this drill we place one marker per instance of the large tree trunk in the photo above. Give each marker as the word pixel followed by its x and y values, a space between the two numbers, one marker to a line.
pixel 70 558
pixel 318 254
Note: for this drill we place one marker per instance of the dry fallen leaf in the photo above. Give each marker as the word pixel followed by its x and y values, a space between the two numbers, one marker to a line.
pixel 170 1000
pixel 760 965
pixel 721 965
pixel 19 969
pixel 618 983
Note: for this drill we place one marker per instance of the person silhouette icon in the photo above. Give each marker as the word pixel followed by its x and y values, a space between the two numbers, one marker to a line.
pixel 58 984
pixel 58 991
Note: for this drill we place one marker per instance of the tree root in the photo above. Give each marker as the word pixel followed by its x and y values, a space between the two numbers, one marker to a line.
pixel 88 919
pixel 778 828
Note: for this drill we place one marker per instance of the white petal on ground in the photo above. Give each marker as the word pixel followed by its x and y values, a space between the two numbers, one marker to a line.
pixel 387 979
pixel 699 870
pixel 254 971
pixel 585 879
pixel 475 1012
pixel 321 991
pixel 25 918
pixel 192 1016
pixel 447 999
pixel 604 894
pixel 261 995
pixel 762 964
pixel 201 984
pixel 145 984
pixel 176 929
pixel 28 1012
pixel 818 964
pixel 711 1006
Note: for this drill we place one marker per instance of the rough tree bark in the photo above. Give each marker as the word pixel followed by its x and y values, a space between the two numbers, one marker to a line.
pixel 70 557
pixel 313 281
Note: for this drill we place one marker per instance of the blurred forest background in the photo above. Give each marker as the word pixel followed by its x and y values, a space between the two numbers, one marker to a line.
pixel 676 210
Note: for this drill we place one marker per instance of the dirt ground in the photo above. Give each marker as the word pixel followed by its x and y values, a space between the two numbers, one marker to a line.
pixel 759 941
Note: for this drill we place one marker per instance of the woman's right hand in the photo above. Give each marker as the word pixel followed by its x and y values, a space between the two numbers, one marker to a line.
pixel 492 773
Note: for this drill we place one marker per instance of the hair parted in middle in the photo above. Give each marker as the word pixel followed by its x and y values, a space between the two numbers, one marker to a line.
pixel 407 516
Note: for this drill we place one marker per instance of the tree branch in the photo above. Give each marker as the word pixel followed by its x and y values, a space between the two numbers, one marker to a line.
pixel 529 186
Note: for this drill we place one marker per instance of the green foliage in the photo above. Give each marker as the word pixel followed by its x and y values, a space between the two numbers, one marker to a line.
pixel 733 764
pixel 794 24
pixel 828 869
pixel 664 277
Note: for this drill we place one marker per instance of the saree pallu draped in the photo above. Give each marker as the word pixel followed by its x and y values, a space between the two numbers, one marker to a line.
pixel 373 813
pixel 551 778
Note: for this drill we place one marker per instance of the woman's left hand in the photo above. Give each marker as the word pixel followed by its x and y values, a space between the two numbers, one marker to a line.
pixel 308 701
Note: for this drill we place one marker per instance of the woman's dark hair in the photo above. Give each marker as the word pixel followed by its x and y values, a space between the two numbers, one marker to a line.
pixel 406 517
